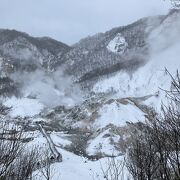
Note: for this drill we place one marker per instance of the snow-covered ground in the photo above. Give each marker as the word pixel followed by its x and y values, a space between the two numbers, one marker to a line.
pixel 78 168
pixel 23 107
pixel 60 139
pixel 118 114
pixel 73 166
pixel 103 144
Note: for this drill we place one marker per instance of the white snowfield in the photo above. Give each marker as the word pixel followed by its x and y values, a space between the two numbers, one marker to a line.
pixel 118 44
pixel 118 114
pixel 23 107
pixel 78 168
pixel 75 167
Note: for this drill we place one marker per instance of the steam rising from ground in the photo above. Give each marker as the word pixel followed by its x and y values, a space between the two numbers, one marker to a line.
pixel 56 89
pixel 167 34
pixel 50 89
pixel 164 43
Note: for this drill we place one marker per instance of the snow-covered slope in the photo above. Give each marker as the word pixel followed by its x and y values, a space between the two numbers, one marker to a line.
pixel 79 168
pixel 151 78
pixel 74 166
pixel 147 79
pixel 23 107
pixel 118 114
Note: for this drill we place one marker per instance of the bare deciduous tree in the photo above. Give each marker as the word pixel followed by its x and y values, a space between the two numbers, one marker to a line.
pixel 46 169
pixel 155 145
pixel 112 170
pixel 16 162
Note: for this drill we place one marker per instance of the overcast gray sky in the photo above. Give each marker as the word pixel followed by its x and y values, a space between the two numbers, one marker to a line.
pixel 70 20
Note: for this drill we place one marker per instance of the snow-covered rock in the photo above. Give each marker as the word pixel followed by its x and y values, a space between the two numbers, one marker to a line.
pixel 118 44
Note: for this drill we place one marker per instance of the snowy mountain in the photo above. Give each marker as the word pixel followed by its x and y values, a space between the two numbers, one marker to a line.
pixel 21 51
pixel 82 100
pixel 95 56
